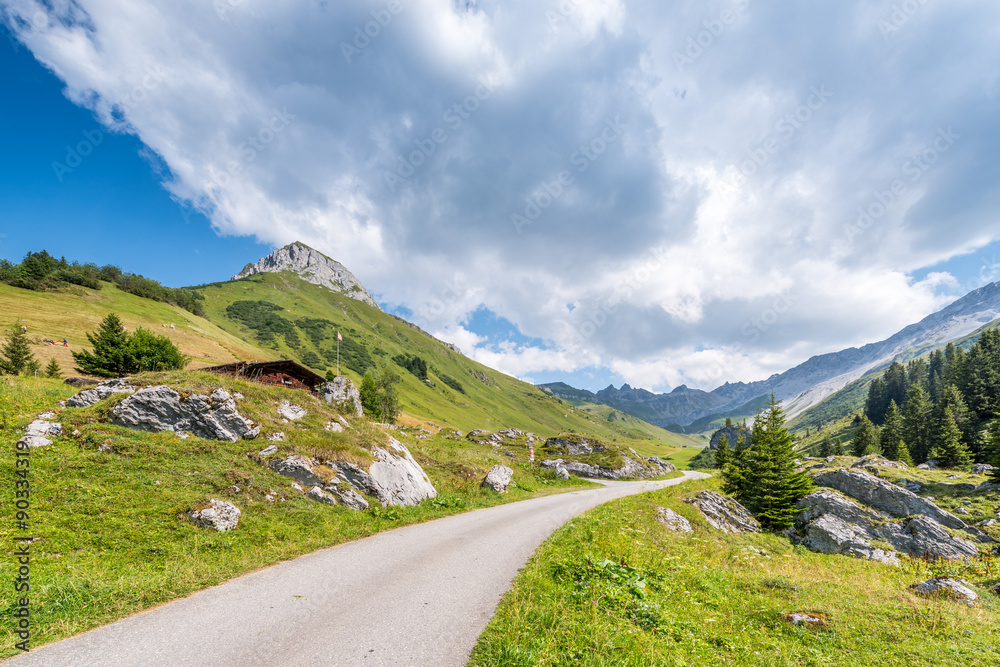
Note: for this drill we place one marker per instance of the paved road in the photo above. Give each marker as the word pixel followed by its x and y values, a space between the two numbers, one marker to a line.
pixel 418 596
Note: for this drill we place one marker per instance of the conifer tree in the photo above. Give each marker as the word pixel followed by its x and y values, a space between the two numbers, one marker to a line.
pixel 108 356
pixel 17 355
pixel 764 476
pixel 948 448
pixel 838 448
pixel 826 446
pixel 52 369
pixel 993 449
pixel 917 423
pixel 865 438
pixel 891 436
pixel 722 453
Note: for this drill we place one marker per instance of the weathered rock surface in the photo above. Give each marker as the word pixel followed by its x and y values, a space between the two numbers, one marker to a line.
pixel 572 447
pixel 922 536
pixel 885 496
pixel 276 437
pixel 267 451
pixel 79 382
pixel 829 534
pixel 498 478
pixel 298 468
pixel 732 435
pixel 291 412
pixel 105 389
pixel 220 515
pixel 342 394
pixel 982 468
pixel 724 513
pixel 162 409
pixel 879 461
pixel 398 479
pixel 673 521
pixel 946 587
pixel 319 495
pixel 561 472
pixel 34 441
pixel 666 466
pixel 929 465
pixel 41 428
pixel 349 497
pixel 629 469
pixel 334 427
pixel 313 267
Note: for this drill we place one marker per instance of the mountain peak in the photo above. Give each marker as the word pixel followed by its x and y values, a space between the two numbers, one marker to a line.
pixel 312 266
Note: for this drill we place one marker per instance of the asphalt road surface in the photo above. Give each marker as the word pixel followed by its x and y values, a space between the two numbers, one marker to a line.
pixel 417 596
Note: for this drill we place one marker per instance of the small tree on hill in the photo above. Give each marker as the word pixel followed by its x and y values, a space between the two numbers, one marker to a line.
pixel 993 448
pixel 826 446
pixel 891 436
pixel 764 476
pixel 838 448
pixel 116 353
pixel 378 394
pixel 17 355
pixel 52 370
pixel 949 449
pixel 865 438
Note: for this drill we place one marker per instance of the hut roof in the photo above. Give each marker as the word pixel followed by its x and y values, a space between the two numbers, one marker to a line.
pixel 256 369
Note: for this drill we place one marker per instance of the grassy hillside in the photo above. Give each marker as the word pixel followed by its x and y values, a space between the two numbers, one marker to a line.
pixel 458 392
pixel 73 312
pixel 113 535
pixel 615 587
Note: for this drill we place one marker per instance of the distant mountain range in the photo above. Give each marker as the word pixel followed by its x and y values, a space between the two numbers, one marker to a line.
pixel 808 383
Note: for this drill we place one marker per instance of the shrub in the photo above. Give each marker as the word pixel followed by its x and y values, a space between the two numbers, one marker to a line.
pixel 378 394
pixel 116 353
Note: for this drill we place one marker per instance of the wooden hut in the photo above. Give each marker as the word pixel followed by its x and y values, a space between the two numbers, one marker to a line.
pixel 283 373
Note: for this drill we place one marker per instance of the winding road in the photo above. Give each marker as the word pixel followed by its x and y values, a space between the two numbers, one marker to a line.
pixel 415 596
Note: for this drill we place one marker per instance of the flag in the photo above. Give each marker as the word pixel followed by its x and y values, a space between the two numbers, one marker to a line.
pixel 339 337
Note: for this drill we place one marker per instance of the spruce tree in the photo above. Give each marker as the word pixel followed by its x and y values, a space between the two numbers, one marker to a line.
pixel 52 370
pixel 917 423
pixel 993 449
pixel 108 358
pixel 722 453
pixel 838 448
pixel 891 436
pixel 865 438
pixel 764 476
pixel 948 448
pixel 17 355
pixel 826 447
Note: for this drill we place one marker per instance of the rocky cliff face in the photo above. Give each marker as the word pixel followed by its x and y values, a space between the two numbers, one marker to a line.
pixel 313 267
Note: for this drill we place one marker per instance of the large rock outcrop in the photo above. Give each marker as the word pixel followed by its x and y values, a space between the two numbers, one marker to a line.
pixel 724 513
pixel 104 390
pixel 342 394
pixel 498 478
pixel 313 267
pixel 163 409
pixel 630 468
pixel 395 478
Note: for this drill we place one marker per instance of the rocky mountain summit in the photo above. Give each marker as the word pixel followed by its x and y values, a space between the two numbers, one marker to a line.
pixel 313 267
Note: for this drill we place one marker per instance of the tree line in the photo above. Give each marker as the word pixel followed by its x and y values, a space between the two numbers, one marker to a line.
pixel 944 408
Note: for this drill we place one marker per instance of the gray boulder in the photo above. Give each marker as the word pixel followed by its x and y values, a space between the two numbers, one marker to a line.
pixel 724 513
pixel 829 534
pixel 319 495
pixel 105 389
pixel 666 466
pixel 826 501
pixel 877 460
pixel 349 497
pixel 267 451
pixel 929 465
pixel 498 478
pixel 561 472
pixel 41 428
pixel 630 469
pixel 921 536
pixel 885 496
pixel 341 393
pixel 732 435
pixel 571 447
pixel 162 409
pixel 220 515
pixel 34 441
pixel 673 521
pixel 334 427
pixel 982 468
pixel 944 587
pixel 298 468
pixel 398 479
pixel 291 412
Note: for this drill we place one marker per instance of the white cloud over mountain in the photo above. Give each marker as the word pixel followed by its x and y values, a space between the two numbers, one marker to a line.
pixel 677 191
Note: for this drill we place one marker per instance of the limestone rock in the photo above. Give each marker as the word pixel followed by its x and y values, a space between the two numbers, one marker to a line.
pixel 163 409
pixel 829 534
pixel 724 513
pixel 878 460
pixel 342 394
pixel 732 435
pixel 885 496
pixel 221 515
pixel 498 478
pixel 319 495
pixel 298 468
pixel 572 448
pixel 398 479
pixel 629 469
pixel 267 451
pixel 313 267
pixel 827 501
pixel 291 412
pixel 79 382
pixel 350 498
pixel 921 536
pixel 34 441
pixel 947 588
pixel 561 472
pixel 962 511
pixel 276 437
pixel 42 428
pixel 811 619
pixel 982 468
pixel 334 427
pixel 666 466
pixel 929 465
pixel 673 521
pixel 89 397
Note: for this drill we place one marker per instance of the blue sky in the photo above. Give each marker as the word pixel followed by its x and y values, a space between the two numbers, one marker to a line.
pixel 593 191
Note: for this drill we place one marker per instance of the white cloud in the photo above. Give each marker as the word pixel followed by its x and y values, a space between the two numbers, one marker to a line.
pixel 746 169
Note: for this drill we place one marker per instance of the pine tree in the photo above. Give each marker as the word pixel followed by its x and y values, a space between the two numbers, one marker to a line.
pixel 764 476
pixel 17 355
pixel 826 447
pixel 52 369
pixel 108 358
pixel 865 438
pixel 722 453
pixel 917 423
pixel 949 449
pixel 838 448
pixel 891 436
pixel 993 449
